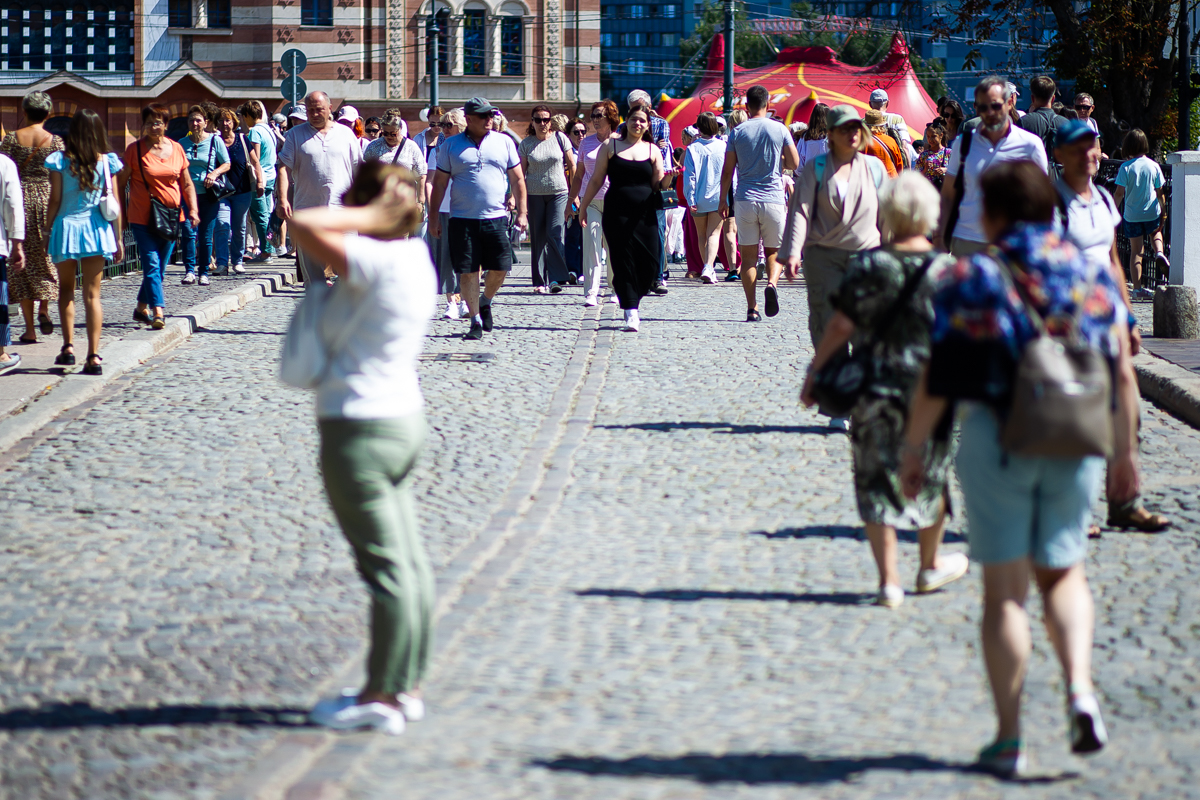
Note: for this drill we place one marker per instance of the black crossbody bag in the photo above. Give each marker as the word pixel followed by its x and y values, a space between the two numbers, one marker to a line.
pixel 164 220
pixel 845 378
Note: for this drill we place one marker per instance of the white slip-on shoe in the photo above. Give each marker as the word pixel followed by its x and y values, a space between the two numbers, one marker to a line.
pixel 631 320
pixel 1088 733
pixel 951 567
pixel 344 713
pixel 889 596
pixel 413 707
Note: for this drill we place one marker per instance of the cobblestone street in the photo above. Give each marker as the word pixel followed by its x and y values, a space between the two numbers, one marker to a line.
pixel 651 576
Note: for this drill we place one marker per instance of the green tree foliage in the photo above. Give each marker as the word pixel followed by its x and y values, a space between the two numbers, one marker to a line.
pixel 754 50
pixel 1122 52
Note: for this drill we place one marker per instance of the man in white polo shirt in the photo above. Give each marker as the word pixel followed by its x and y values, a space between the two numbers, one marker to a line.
pixel 994 141
pixel 320 158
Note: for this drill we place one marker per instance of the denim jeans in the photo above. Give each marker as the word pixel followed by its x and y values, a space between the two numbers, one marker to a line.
pixel 198 242
pixel 5 328
pixel 230 237
pixel 260 217
pixel 155 254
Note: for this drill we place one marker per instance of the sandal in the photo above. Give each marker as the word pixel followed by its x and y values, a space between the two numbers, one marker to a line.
pixel 45 324
pixel 1135 517
pixel 25 340
pixel 65 359
pixel 158 323
pixel 140 315
pixel 92 365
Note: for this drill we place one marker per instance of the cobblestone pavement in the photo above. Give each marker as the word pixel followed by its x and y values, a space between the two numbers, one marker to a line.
pixel 678 609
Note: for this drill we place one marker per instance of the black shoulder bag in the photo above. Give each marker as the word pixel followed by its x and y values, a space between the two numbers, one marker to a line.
pixel 164 220
pixel 845 378
pixel 959 188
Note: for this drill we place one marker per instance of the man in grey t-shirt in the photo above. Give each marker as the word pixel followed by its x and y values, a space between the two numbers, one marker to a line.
pixel 759 149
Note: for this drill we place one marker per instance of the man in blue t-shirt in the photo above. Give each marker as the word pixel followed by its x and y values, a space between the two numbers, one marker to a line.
pixel 759 149
pixel 484 165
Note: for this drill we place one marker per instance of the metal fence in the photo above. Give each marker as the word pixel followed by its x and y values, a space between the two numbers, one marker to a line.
pixel 132 262
pixel 1151 275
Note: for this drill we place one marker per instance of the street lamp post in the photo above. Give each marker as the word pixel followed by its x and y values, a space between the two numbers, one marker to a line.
pixel 728 102
pixel 435 41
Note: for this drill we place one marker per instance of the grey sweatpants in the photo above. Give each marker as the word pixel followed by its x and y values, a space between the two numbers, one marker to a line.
pixel 824 268
pixel 547 228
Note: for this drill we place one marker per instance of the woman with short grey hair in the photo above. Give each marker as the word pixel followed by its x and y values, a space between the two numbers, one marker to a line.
pixel 395 147
pixel 29 146
pixel 883 304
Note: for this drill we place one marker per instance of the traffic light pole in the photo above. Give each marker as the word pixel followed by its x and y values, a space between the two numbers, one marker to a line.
pixel 728 104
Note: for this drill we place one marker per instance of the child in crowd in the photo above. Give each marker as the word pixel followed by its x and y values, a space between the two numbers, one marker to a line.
pixel 1140 183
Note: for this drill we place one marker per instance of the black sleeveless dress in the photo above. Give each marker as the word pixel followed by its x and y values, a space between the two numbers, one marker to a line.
pixel 630 225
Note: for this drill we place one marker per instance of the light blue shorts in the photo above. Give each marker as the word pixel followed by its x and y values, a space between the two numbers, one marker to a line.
pixel 1020 507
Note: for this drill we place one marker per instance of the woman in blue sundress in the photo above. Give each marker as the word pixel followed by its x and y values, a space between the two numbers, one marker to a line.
pixel 82 179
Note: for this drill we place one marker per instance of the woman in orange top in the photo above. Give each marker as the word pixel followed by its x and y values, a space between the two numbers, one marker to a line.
pixel 882 146
pixel 154 166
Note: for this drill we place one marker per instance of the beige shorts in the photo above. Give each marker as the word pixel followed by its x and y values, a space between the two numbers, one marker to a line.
pixel 759 222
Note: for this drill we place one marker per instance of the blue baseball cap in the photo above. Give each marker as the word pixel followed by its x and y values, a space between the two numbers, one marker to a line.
pixel 1072 131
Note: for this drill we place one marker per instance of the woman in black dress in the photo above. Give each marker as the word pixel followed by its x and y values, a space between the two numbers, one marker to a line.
pixel 634 168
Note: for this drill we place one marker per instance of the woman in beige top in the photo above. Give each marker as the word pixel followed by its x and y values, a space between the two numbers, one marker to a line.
pixel 833 214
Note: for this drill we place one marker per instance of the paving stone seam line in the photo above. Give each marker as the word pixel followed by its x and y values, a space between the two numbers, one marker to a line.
pixel 577 401
pixel 318 775
pixel 131 352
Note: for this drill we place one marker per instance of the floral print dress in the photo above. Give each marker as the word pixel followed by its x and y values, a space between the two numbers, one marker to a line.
pixel 38 280
pixel 874 282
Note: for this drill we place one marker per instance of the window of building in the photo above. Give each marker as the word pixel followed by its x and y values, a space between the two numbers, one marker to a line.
pixel 179 13
pixel 637 12
pixel 606 40
pixel 512 46
pixel 633 40
pixel 316 12
pixel 90 36
pixel 637 67
pixel 670 40
pixel 220 14
pixel 443 44
pixel 669 11
pixel 474 42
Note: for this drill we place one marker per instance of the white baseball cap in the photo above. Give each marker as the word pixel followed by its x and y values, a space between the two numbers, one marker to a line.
pixel 879 96
pixel 299 112
pixel 347 114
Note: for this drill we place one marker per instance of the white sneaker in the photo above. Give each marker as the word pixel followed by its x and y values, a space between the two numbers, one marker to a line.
pixel 239 268
pixel 839 423
pixel 631 320
pixel 1088 733
pixel 452 311
pixel 591 299
pixel 952 567
pixel 188 278
pixel 204 281
pixel 890 596
pixel 463 311
pixel 413 707
pixel 344 713
pixel 709 275
pixel 613 300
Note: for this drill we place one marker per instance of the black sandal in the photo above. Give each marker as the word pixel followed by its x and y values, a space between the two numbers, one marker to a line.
pixel 65 359
pixel 24 340
pixel 140 315
pixel 45 324
pixel 92 365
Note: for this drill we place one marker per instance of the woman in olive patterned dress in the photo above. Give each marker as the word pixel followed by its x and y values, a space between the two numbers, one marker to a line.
pixel 874 283
pixel 29 146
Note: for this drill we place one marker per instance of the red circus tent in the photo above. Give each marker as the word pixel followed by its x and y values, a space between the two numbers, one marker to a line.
pixel 800 78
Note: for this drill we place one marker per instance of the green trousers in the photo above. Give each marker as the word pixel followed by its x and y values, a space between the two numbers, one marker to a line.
pixel 367 466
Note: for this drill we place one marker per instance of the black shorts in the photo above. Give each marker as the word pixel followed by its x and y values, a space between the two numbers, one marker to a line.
pixel 479 245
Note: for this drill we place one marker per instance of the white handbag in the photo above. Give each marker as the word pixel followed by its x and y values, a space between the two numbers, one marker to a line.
pixel 110 206
pixel 306 357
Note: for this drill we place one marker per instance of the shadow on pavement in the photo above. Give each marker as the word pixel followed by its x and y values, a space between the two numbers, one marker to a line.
pixel 847 532
pixel 693 595
pixel 727 427
pixel 83 715
pixel 752 768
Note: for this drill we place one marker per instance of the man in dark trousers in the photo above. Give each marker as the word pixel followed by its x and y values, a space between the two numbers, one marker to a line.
pixel 1041 120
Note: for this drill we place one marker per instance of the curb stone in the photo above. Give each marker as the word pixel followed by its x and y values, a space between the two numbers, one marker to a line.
pixel 130 352
pixel 1172 387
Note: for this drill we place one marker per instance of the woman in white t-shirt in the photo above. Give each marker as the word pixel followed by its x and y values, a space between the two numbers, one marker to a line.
pixel 372 424
pixel 452 123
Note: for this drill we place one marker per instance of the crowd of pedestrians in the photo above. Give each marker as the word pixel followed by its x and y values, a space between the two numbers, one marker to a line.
pixel 941 276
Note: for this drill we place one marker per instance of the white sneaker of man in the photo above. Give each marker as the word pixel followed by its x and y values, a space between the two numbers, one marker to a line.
pixel 452 310
pixel 709 274
pixel 632 321
pixel 464 311
pixel 239 268
pixel 344 713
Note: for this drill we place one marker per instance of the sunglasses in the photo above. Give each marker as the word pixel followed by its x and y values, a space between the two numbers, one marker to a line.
pixel 578 132
pixel 986 106
pixel 445 124
pixel 390 134
pixel 1082 107
pixel 372 130
pixel 541 120
pixel 598 115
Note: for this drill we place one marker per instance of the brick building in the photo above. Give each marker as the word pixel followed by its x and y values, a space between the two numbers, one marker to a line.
pixel 117 55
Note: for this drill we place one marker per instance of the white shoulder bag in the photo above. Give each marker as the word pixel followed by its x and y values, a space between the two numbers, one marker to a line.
pixel 306 357
pixel 110 207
